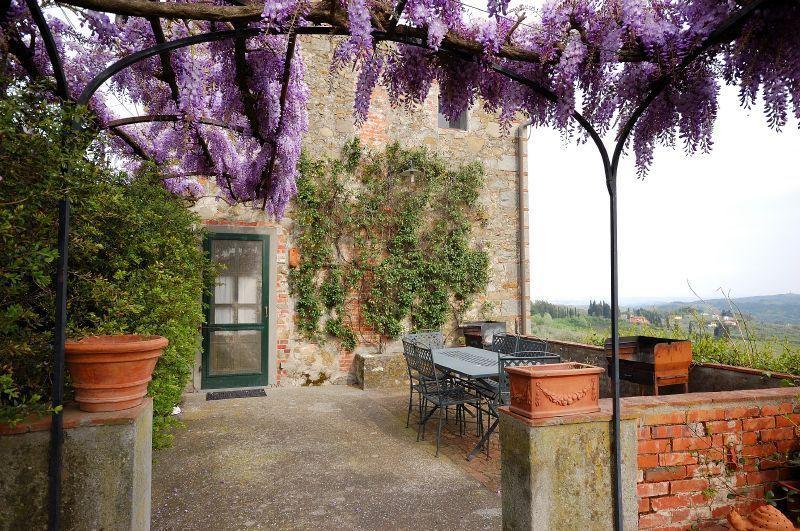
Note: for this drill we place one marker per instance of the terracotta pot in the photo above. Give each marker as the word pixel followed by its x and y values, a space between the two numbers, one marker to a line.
pixel 556 390
pixel 110 373
pixel 764 518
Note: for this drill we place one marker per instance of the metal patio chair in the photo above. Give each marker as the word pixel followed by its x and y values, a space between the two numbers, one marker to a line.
pixel 503 343
pixel 510 344
pixel 498 394
pixel 414 381
pixel 532 344
pixel 426 338
pixel 439 391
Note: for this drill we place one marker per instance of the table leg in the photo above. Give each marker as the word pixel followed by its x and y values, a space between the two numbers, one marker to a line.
pixel 484 440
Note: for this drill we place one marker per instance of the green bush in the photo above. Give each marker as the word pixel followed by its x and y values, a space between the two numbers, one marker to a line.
pixel 135 264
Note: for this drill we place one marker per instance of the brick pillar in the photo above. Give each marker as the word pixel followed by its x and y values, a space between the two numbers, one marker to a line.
pixel 557 472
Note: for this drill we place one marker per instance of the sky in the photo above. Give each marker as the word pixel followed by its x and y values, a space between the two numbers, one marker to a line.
pixel 727 220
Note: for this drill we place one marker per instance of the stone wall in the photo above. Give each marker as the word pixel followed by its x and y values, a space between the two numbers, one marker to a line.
pixel 710 377
pixel 330 125
pixel 106 476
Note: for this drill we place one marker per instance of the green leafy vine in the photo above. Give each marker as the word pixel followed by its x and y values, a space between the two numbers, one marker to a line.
pixel 388 231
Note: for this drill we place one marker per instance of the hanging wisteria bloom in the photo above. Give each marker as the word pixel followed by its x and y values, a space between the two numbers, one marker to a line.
pixel 235 110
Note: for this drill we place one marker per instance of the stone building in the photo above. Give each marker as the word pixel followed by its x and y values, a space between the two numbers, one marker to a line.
pixel 252 339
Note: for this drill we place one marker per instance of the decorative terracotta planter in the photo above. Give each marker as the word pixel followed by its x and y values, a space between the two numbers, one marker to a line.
pixel 557 390
pixel 110 373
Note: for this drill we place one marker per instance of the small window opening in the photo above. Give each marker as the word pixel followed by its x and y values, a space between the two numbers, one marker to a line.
pixel 461 123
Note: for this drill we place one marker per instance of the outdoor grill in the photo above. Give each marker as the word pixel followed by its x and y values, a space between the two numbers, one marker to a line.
pixel 479 334
pixel 653 361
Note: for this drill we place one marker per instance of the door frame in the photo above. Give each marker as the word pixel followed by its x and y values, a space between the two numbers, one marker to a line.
pixel 268 375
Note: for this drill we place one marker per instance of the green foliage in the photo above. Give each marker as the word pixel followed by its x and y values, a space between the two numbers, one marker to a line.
pixel 390 230
pixel 135 262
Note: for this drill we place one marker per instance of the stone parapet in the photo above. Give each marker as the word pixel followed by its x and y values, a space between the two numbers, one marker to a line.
pixel 105 477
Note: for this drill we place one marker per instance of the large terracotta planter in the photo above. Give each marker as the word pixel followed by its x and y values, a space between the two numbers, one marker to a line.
pixel 110 373
pixel 557 390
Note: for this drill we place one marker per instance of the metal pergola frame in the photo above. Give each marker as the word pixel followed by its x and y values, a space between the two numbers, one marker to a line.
pixel 162 48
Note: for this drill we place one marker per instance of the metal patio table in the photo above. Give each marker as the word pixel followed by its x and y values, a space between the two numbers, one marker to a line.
pixel 470 363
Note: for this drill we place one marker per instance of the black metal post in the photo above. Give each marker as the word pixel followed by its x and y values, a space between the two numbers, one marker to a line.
pixel 59 338
pixel 612 195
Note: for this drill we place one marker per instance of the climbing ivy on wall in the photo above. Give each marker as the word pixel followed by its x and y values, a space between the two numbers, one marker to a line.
pixel 390 231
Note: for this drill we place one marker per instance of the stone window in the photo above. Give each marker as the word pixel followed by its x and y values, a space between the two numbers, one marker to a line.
pixel 461 123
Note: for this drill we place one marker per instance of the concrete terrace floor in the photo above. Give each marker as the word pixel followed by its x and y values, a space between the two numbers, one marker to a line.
pixel 331 457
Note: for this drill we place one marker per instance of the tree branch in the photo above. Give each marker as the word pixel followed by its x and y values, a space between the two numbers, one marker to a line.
pixel 137 149
pixel 243 82
pixel 287 71
pixel 320 13
pixel 167 71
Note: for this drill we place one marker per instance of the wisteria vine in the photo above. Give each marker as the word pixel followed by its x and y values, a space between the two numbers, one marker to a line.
pixel 601 56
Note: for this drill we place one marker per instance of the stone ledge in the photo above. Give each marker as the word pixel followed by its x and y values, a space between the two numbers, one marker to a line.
pixel 576 345
pixel 634 407
pixel 74 418
pixel 380 371
pixel 604 415
pixel 747 370
pixel 700 400
pixel 106 472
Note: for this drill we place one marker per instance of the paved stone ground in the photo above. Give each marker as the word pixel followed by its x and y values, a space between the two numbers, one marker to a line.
pixel 331 457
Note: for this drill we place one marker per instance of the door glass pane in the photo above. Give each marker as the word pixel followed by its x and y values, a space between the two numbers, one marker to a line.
pixel 223 291
pixel 248 314
pixel 235 352
pixel 237 294
pixel 223 314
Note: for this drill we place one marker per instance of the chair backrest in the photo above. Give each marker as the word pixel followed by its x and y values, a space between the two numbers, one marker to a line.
pixel 408 355
pixel 423 363
pixel 531 344
pixel 503 343
pixel 518 360
pixel 427 338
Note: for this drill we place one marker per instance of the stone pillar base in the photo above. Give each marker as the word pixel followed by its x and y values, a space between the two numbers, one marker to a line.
pixel 557 472
pixel 105 481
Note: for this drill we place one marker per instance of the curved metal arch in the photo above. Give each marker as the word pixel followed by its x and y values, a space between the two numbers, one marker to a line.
pixel 577 116
pixel 97 81
pixel 662 83
pixel 50 45
pixel 150 118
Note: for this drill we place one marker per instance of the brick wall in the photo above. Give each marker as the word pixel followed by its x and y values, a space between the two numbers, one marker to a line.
pixel 702 454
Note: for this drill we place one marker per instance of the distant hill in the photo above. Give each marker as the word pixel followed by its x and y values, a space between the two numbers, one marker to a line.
pixel 779 309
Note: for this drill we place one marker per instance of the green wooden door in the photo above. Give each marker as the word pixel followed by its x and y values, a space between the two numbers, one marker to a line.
pixel 235 335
